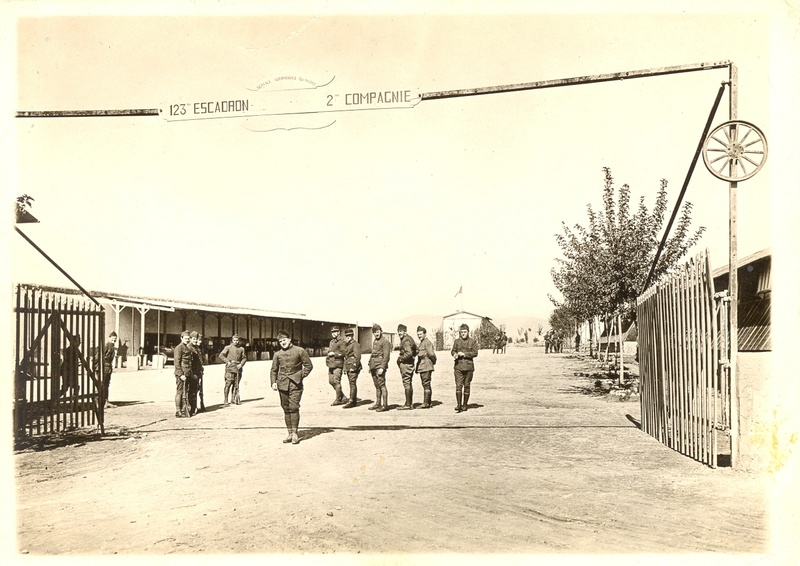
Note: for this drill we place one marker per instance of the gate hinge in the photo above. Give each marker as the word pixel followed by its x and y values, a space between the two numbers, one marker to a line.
pixel 725 363
pixel 720 427
pixel 724 296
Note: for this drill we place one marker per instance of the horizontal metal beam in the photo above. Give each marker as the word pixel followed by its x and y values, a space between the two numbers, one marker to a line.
pixel 589 79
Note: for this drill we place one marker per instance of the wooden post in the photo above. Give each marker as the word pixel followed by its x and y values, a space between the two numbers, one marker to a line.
pixel 733 281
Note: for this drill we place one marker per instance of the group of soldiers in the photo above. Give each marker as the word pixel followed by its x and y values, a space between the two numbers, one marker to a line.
pixel 553 342
pixel 292 364
pixel 71 361
pixel 189 373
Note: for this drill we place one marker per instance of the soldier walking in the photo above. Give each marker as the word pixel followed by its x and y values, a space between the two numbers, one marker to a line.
pixel 290 366
pixel 335 362
pixel 426 359
pixel 378 363
pixel 405 362
pixel 234 358
pixel 464 350
pixel 352 365
pixel 183 356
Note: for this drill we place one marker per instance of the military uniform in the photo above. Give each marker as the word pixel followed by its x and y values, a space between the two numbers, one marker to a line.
pixel 335 363
pixel 184 375
pixel 352 366
pixel 378 364
pixel 234 357
pixel 405 363
pixel 464 351
pixel 290 367
pixel 426 360
pixel 195 383
pixel 109 353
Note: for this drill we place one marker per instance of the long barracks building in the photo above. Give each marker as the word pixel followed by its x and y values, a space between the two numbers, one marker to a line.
pixel 150 327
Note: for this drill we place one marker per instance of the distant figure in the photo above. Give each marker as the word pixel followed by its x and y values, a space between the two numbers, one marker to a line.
pixel 496 347
pixel 290 366
pixel 196 387
pixel 122 354
pixel 426 360
pixel 234 357
pixel 577 342
pixel 335 362
pixel 503 343
pixel 405 363
pixel 352 365
pixel 70 367
pixel 548 341
pixel 464 350
pixel 378 364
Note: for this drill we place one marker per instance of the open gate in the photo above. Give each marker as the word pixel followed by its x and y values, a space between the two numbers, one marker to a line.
pixel 58 365
pixel 684 353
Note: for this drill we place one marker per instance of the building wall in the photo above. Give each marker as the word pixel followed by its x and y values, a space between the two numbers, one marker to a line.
pixel 756 416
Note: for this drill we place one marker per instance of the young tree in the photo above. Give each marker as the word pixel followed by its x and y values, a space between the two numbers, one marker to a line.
pixel 606 264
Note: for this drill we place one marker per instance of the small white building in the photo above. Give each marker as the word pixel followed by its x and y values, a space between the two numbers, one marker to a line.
pixel 476 322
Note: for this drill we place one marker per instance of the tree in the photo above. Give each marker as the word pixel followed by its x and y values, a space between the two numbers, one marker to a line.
pixel 606 264
pixel 22 204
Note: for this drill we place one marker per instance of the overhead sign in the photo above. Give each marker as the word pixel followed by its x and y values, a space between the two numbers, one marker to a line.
pixel 286 102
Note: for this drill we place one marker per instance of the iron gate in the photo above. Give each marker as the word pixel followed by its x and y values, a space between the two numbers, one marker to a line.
pixel 684 353
pixel 58 365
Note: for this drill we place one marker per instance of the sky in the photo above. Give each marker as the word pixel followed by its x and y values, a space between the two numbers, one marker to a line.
pixel 370 214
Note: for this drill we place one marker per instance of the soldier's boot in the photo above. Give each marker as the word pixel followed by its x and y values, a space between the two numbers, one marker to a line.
pixel 377 404
pixel 426 403
pixel 409 400
pixel 353 399
pixel 458 408
pixel 287 418
pixel 295 438
pixel 466 399
pixel 295 426
pixel 385 401
pixel 227 392
pixel 235 393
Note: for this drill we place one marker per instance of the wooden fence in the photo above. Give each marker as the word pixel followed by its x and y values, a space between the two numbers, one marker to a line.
pixel 58 372
pixel 683 361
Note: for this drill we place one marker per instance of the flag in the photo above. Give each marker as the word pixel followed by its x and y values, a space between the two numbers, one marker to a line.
pixel 460 290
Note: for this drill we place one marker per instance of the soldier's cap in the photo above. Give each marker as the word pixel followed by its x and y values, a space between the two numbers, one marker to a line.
pixel 348 332
pixel 377 328
pixel 463 327
pixel 401 328
pixel 193 334
pixel 283 334
pixel 334 329
pixel 112 334
pixel 234 336
pixel 185 333
pixel 421 329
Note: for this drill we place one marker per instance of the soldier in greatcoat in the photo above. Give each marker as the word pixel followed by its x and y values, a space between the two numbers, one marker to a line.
pixel 352 365
pixel 290 366
pixel 405 363
pixel 195 383
pixel 464 350
pixel 426 360
pixel 378 364
pixel 335 362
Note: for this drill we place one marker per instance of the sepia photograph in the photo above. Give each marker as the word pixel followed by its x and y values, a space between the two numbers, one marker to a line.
pixel 401 283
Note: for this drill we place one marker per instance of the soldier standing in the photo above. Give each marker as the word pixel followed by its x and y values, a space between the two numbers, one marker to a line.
pixel 196 383
pixel 234 357
pixel 464 350
pixel 405 362
pixel 378 363
pixel 109 353
pixel 290 366
pixel 183 356
pixel 69 368
pixel 352 365
pixel 426 359
pixel 335 362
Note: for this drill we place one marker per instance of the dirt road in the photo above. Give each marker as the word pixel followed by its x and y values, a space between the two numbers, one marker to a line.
pixel 532 467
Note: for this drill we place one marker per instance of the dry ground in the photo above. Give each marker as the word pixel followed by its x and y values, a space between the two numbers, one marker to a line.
pixel 533 467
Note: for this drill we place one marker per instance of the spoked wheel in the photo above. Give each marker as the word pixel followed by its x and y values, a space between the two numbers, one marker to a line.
pixel 735 151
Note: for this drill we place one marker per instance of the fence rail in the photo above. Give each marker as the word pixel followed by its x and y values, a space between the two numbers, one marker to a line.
pixel 683 354
pixel 58 373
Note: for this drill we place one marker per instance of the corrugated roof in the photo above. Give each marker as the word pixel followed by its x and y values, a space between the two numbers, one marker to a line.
pixel 755 326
